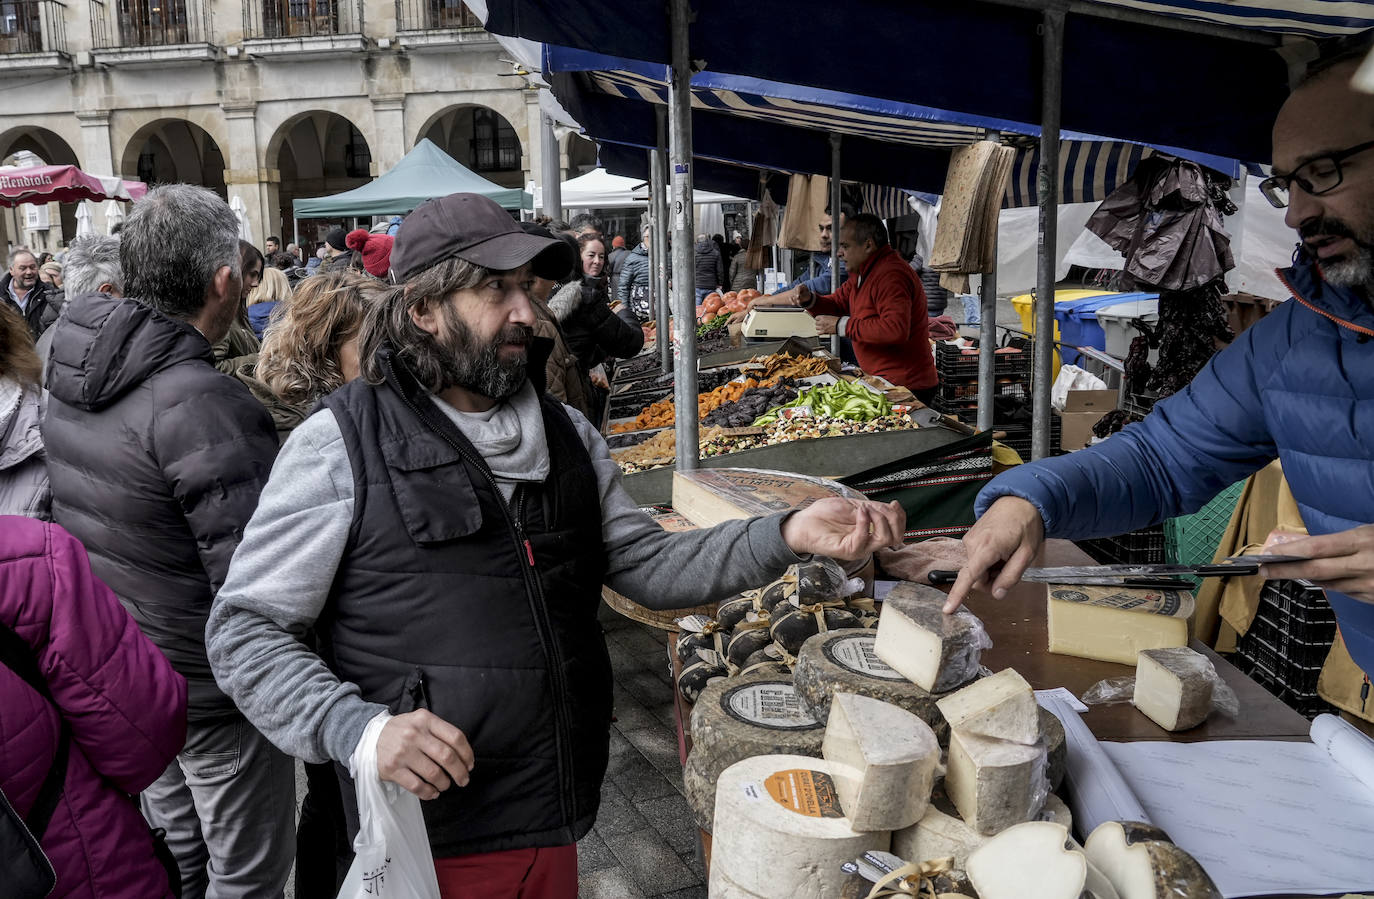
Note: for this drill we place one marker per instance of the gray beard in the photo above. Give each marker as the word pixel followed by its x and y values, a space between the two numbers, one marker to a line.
pixel 477 368
pixel 1355 271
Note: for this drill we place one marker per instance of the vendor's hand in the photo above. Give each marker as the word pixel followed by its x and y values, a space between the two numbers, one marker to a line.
pixel 423 753
pixel 845 529
pixel 598 378
pixel 1009 534
pixel 827 324
pixel 1343 561
pixel 800 296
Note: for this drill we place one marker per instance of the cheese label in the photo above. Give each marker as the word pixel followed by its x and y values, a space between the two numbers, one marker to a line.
pixel 1168 603
pixel 774 705
pixel 855 652
pixel 806 792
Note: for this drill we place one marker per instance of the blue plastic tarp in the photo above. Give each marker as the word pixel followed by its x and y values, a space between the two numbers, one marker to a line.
pixel 1164 86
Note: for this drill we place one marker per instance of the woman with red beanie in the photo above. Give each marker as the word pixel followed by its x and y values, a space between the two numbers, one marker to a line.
pixel 373 249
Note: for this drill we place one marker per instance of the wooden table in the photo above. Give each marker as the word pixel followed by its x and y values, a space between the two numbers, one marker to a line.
pixel 1018 630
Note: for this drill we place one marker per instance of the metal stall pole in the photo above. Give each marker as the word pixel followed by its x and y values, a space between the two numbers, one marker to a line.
pixel 550 170
pixel 655 263
pixel 659 246
pixel 987 334
pixel 835 227
pixel 684 278
pixel 1047 182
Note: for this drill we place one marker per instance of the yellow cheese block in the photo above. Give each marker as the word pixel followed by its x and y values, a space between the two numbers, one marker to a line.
pixel 1112 624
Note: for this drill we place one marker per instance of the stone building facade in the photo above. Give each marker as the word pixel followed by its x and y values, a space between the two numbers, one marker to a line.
pixel 262 100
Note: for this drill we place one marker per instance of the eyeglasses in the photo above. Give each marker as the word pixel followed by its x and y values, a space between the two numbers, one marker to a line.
pixel 1315 176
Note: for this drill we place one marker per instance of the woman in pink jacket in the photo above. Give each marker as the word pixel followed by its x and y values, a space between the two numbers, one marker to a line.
pixel 124 706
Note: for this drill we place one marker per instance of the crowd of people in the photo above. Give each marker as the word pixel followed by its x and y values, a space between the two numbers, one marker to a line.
pixel 249 510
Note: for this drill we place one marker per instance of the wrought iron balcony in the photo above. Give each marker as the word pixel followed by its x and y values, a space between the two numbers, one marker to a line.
pixel 32 27
pixel 278 27
pixel 127 32
pixel 436 23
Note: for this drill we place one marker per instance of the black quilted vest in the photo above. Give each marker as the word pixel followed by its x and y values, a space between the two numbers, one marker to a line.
pixel 448 598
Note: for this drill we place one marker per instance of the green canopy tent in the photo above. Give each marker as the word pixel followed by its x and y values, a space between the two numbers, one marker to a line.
pixel 425 172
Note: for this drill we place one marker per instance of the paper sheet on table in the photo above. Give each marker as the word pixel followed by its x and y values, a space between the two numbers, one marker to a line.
pixel 1262 817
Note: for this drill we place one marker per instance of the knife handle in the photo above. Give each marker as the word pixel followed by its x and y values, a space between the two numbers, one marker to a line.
pixel 940 578
pixel 1230 569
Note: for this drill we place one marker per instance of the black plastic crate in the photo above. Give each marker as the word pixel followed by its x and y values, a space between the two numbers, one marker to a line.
pixel 1301 602
pixel 954 363
pixel 964 391
pixel 1142 547
pixel 1019 438
pixel 1296 642
pixel 1298 675
pixel 1297 690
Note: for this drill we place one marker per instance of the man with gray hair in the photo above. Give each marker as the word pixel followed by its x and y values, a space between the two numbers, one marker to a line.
pixel 92 266
pixel 35 298
pixel 156 462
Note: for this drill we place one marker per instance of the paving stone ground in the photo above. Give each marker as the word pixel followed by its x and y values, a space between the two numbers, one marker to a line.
pixel 644 844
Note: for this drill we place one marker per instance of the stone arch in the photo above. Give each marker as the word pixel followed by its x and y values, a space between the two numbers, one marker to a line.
pixel 482 139
pixel 315 153
pixel 50 148
pixel 170 150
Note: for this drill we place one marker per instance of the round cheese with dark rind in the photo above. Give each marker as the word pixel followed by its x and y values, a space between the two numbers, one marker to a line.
pixel 696 676
pixel 744 643
pixel 731 612
pixel 791 627
pixel 844 661
pixel 688 643
pixel 751 715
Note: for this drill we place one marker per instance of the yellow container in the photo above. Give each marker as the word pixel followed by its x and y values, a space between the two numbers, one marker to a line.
pixel 1024 306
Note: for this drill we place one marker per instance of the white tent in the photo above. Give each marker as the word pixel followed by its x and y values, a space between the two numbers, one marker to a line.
pixel 599 189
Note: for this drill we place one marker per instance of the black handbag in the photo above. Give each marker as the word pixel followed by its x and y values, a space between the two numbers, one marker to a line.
pixel 33 876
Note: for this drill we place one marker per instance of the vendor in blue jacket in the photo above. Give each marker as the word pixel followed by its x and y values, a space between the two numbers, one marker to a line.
pixel 1297 386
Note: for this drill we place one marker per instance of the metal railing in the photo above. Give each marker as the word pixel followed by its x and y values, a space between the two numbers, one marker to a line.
pixel 33 26
pixel 148 23
pixel 430 15
pixel 301 18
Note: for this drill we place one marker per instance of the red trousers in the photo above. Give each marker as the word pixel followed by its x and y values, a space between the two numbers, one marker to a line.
pixel 515 874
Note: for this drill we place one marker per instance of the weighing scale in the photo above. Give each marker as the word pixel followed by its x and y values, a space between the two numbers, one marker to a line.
pixel 777 322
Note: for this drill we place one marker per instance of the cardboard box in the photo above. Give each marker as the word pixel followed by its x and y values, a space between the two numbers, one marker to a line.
pixel 1082 410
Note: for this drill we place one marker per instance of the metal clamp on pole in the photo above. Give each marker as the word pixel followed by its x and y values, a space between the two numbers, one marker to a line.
pixel 684 274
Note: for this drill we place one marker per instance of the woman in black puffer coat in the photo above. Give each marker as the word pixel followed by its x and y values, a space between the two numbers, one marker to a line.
pixel 582 306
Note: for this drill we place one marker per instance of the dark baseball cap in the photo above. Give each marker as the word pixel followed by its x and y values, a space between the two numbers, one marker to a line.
pixel 472 227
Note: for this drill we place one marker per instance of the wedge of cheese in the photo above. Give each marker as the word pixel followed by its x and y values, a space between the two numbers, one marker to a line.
pixel 1142 863
pixel 1038 859
pixel 1001 706
pixel 995 783
pixel 935 651
pixel 709 496
pixel 1173 687
pixel 883 761
pixel 1114 625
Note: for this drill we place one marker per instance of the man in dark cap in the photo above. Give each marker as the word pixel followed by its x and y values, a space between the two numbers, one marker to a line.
pixel 337 254
pixel 446 527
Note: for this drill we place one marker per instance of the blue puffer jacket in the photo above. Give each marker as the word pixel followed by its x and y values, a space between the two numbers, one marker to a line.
pixel 1299 386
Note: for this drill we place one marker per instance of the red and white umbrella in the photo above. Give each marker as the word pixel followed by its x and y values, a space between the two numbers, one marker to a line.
pixel 62 184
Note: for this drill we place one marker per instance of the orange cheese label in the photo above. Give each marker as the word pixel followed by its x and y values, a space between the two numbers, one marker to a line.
pixel 806 792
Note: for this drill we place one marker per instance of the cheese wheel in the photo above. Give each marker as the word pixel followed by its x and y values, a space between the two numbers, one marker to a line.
pixel 791 627
pixel 696 676
pixel 779 830
pixel 941 833
pixel 747 716
pixel 1173 687
pixel 883 760
pixel 995 783
pixel 731 612
pixel 700 790
pixel 1057 754
pixel 1039 853
pixel 844 661
pixel 720 886
pixel 933 650
pixel 745 643
pixel 689 643
pixel 1142 863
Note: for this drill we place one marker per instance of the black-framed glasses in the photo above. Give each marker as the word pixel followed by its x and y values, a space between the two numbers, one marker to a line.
pixel 1315 176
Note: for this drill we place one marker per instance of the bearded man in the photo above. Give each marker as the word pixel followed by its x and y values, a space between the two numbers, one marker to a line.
pixel 1297 386
pixel 446 527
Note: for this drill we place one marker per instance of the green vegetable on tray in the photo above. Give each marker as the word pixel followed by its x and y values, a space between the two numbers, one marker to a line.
pixel 713 324
pixel 843 399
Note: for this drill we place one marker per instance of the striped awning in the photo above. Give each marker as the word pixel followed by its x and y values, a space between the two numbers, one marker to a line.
pixel 1309 18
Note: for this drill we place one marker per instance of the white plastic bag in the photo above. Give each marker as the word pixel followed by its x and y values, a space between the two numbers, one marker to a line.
pixel 1071 377
pixel 392 847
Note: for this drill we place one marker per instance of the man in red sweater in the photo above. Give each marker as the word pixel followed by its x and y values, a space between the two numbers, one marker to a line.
pixel 881 308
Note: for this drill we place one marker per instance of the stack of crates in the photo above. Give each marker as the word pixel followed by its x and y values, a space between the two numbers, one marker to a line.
pixel 958 394
pixel 1142 547
pixel 1287 643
